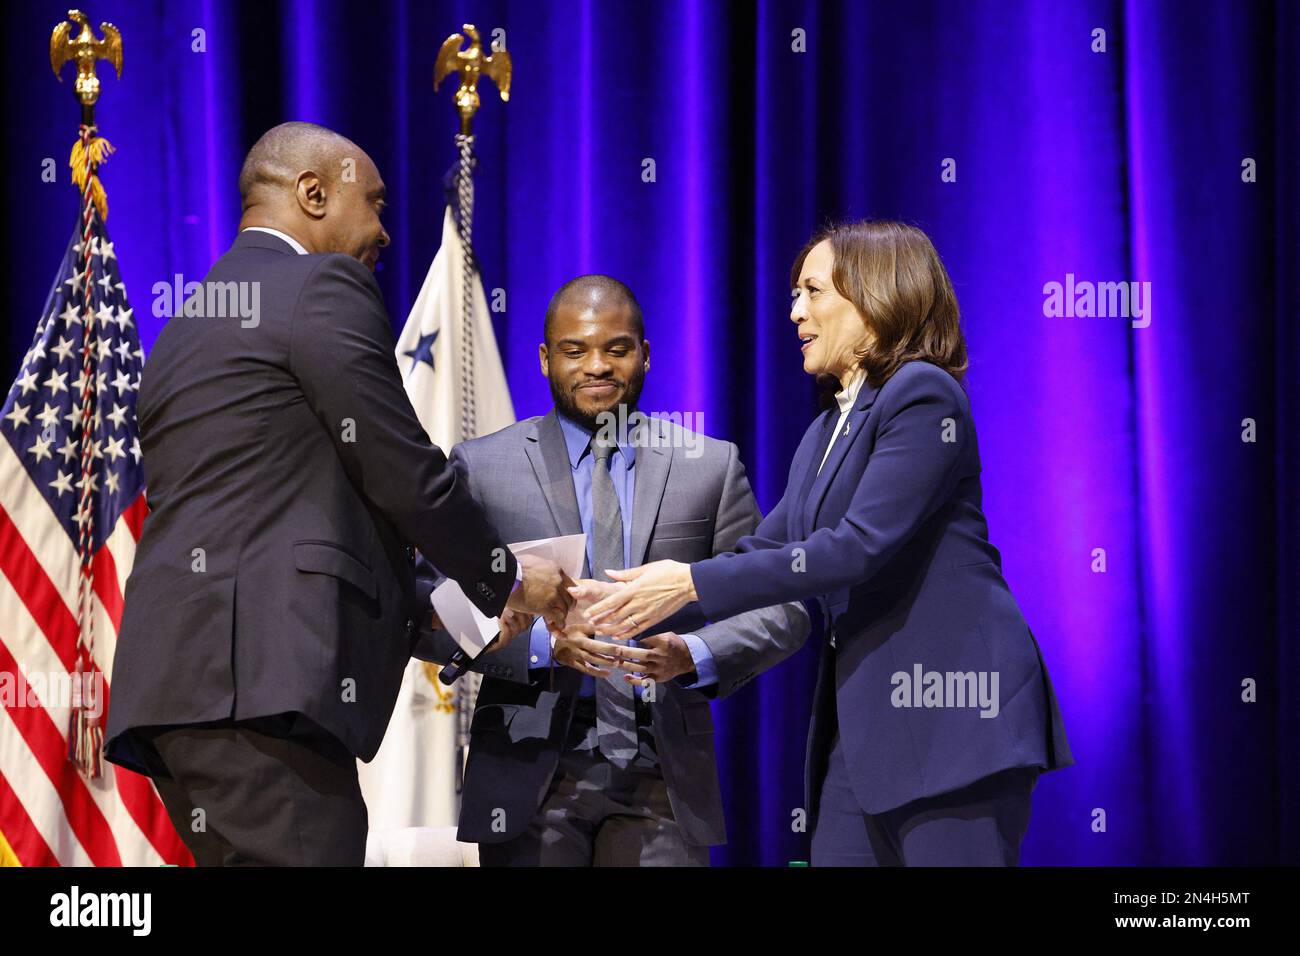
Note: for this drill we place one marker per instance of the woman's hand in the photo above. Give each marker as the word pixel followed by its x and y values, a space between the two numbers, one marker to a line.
pixel 586 593
pixel 653 592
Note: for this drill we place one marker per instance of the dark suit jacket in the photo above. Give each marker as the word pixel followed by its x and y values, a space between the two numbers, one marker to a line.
pixel 688 503
pixel 891 540
pixel 287 473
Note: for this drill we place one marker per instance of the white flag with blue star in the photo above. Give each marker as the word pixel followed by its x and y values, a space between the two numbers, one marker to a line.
pixel 412 780
pixel 429 352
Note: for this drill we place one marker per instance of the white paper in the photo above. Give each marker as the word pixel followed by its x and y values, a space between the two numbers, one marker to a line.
pixel 569 551
pixel 474 630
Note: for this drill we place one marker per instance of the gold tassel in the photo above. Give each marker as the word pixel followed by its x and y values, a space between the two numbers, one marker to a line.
pixel 99 150
pixel 445 698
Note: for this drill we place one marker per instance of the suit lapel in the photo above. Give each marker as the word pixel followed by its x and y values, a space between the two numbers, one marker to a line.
pixel 808 474
pixel 550 461
pixel 652 465
pixel 843 443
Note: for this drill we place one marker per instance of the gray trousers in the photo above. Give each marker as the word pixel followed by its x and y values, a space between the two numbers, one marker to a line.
pixel 598 815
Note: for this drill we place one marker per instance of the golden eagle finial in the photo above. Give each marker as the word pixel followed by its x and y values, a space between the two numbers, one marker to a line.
pixel 469 64
pixel 85 49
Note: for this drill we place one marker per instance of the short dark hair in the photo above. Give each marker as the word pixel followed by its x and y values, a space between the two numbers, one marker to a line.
pixel 284 151
pixel 893 275
pixel 602 289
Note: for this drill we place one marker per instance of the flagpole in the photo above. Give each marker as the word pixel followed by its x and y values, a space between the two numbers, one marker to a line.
pixel 470 64
pixel 465 227
pixel 85 730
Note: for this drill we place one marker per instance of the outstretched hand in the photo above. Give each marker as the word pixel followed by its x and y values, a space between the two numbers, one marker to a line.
pixel 512 624
pixel 543 591
pixel 578 649
pixel 655 659
pixel 586 593
pixel 650 593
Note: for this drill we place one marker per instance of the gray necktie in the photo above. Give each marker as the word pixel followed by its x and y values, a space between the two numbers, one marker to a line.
pixel 615 705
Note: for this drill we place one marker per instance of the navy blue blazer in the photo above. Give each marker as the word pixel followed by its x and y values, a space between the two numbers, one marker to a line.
pixel 890 539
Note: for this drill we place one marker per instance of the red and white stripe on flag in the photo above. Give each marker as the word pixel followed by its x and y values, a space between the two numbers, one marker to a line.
pixel 50 813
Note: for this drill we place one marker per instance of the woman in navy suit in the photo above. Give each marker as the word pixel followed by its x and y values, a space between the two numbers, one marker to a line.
pixel 933 713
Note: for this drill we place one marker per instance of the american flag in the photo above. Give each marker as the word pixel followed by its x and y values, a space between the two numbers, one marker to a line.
pixel 86 350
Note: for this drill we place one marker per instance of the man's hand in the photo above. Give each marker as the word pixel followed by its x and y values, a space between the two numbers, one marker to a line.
pixel 544 591
pixel 576 648
pixel 513 623
pixel 658 658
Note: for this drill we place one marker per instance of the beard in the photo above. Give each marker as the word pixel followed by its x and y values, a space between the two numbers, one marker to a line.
pixel 567 404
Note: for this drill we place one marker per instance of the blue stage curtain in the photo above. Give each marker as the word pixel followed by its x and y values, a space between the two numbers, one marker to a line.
pixel 1122 165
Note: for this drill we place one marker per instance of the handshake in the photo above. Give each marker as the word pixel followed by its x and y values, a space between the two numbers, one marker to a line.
pixel 577 612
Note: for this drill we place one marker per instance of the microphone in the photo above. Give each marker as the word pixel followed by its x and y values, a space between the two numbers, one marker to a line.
pixel 460 662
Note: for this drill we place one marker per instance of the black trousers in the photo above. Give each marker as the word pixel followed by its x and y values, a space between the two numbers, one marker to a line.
pixel 273 791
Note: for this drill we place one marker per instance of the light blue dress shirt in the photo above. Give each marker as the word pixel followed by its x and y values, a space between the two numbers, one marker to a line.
pixel 622 472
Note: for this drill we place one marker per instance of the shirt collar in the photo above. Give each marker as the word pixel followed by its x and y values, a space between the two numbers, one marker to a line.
pixel 297 246
pixel 847 395
pixel 577 439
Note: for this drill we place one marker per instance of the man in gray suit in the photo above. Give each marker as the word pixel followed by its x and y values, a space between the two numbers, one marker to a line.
pixel 585 763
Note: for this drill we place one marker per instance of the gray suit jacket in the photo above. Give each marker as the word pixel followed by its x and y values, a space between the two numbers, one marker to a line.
pixel 691 501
